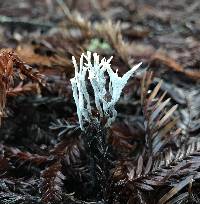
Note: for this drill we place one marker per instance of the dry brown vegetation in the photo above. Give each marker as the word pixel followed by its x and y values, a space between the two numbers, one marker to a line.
pixel 150 154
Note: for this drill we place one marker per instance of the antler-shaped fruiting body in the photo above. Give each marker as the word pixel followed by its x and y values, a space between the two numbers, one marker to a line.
pixel 97 70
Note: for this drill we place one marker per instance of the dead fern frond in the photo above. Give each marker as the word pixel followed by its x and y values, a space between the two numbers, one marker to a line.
pixel 71 146
pixel 52 183
pixel 25 70
pixel 23 89
pixel 69 150
pixel 125 138
pixel 154 174
pixel 23 158
pixel 177 169
pixel 10 67
pixel 160 126
pixel 182 171
pixel 172 64
pixel 6 77
pixel 150 170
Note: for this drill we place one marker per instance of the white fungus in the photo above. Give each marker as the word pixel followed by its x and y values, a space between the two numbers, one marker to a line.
pixel 96 70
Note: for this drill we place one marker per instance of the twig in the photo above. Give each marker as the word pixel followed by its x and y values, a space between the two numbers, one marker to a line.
pixel 24 22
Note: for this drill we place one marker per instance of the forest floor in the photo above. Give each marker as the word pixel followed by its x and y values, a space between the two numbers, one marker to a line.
pixel 151 153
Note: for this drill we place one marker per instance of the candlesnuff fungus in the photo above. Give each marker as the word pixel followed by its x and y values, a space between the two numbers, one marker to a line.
pixel 96 69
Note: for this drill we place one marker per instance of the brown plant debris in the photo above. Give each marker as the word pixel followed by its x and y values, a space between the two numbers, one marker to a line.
pixel 151 152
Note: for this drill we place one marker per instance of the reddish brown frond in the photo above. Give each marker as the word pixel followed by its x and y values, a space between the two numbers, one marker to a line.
pixel 52 182
pixel 23 89
pixel 68 150
pixel 6 77
pixel 25 157
pixel 160 125
pixel 123 137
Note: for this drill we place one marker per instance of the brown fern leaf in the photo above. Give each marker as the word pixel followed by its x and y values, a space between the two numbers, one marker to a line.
pixel 10 66
pixel 68 150
pixel 183 174
pixel 14 65
pixel 143 177
pixel 6 77
pixel 24 157
pixel 71 145
pixel 52 182
pixel 160 126
pixel 23 89
pixel 150 169
pixel 123 137
pixel 140 171
pixel 177 169
pixel 128 179
pixel 26 71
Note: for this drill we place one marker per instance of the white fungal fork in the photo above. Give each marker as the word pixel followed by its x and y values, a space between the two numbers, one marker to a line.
pixel 96 70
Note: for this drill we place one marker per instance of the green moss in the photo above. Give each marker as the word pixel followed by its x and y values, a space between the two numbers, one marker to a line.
pixel 96 44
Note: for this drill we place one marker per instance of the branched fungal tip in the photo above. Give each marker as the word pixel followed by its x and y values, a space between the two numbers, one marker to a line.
pixel 97 70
